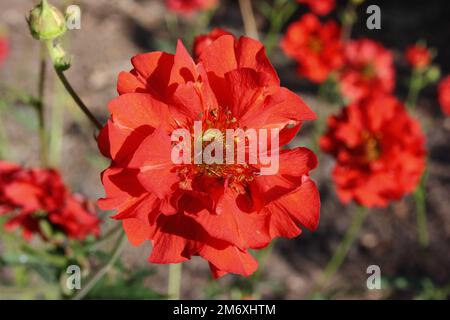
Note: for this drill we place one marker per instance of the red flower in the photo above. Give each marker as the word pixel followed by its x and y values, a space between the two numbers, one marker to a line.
pixel 444 95
pixel 216 211
pixel 379 149
pixel 316 47
pixel 187 7
pixel 368 69
pixel 4 48
pixel 320 7
pixel 35 194
pixel 203 41
pixel 418 56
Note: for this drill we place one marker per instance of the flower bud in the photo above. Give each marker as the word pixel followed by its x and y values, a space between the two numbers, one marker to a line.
pixel 59 57
pixel 433 74
pixel 46 22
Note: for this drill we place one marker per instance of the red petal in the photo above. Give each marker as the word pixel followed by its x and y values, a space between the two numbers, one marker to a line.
pixel 302 205
pixel 229 259
pixel 137 110
pixel 230 223
pixel 136 231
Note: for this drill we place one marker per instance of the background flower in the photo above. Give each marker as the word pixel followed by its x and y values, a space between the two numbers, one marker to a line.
pixel 320 7
pixel 418 56
pixel 444 95
pixel 4 48
pixel 32 195
pixel 316 47
pixel 368 69
pixel 187 7
pixel 379 151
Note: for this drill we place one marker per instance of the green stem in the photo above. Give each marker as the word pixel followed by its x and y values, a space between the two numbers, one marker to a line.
pixel 41 109
pixel 345 245
pixel 280 13
pixel 415 85
pixel 422 226
pixel 70 89
pixel 174 284
pixel 102 271
pixel 77 99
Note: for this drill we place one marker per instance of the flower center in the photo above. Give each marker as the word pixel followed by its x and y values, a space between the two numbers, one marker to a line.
pixel 372 147
pixel 214 129
pixel 368 71
pixel 315 44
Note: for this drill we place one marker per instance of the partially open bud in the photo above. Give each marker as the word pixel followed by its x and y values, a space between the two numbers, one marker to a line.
pixel 46 22
pixel 60 59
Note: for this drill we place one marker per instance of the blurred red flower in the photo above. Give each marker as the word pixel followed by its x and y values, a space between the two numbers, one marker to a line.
pixel 368 69
pixel 217 211
pixel 204 40
pixel 31 195
pixel 315 46
pixel 379 150
pixel 187 7
pixel 418 56
pixel 4 48
pixel 320 7
pixel 444 95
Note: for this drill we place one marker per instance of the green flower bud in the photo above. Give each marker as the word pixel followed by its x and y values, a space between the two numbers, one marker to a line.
pixel 46 22
pixel 433 74
pixel 59 57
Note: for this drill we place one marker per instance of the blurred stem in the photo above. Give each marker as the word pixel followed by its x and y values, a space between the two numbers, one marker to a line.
pixel 280 13
pixel 172 24
pixel 415 85
pixel 110 233
pixel 345 245
pixel 72 92
pixel 102 271
pixel 4 145
pixel 349 17
pixel 263 258
pixel 248 18
pixel 420 199
pixel 40 108
pixel 56 125
pixel 174 284
pixel 199 27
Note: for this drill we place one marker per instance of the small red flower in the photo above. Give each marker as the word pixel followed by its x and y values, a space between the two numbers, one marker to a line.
pixel 368 69
pixel 315 46
pixel 187 7
pixel 4 48
pixel 320 7
pixel 444 95
pixel 203 41
pixel 34 194
pixel 379 150
pixel 418 56
pixel 217 211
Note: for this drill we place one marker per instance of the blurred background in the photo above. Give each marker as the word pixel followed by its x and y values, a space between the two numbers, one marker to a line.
pixel 111 32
